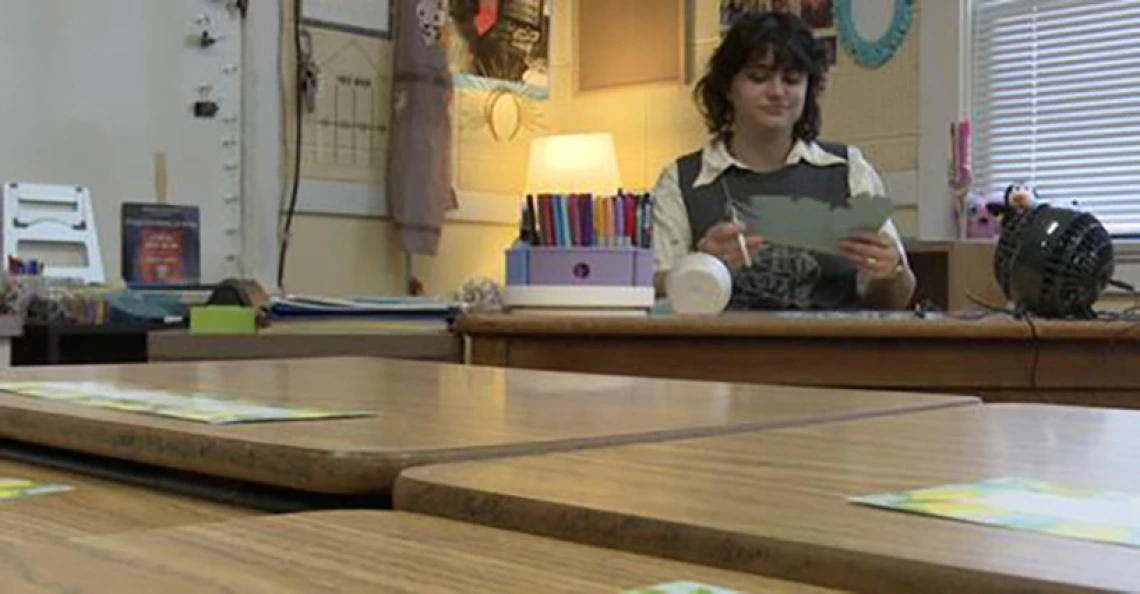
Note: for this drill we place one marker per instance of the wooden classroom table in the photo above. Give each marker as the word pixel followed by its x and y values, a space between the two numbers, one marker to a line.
pixel 774 503
pixel 319 338
pixel 1000 359
pixel 424 413
pixel 346 551
pixel 94 507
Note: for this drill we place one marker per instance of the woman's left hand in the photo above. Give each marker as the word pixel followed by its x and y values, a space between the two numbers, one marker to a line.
pixel 873 253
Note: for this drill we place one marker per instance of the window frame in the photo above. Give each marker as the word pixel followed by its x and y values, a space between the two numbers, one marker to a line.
pixel 1126 247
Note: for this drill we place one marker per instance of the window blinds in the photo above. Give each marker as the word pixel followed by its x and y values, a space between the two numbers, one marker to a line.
pixel 1056 103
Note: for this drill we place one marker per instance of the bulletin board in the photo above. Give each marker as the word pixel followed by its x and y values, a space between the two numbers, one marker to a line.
pixel 629 42
pixel 344 135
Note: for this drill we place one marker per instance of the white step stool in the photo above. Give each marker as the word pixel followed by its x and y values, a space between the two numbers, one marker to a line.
pixel 53 216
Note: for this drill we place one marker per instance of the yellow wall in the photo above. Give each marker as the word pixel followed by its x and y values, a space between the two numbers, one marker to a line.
pixel 343 256
pixel 878 110
pixel 652 124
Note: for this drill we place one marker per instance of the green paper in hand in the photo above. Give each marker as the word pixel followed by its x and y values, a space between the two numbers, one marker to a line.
pixel 812 224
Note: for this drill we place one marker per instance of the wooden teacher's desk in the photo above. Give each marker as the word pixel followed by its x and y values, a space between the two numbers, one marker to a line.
pixel 348 551
pixel 423 413
pixel 997 358
pixel 776 503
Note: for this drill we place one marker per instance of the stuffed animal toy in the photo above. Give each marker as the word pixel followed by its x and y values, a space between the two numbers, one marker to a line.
pixel 432 16
pixel 981 222
pixel 1019 197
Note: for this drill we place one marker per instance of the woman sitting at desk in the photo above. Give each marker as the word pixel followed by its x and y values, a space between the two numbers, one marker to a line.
pixel 759 100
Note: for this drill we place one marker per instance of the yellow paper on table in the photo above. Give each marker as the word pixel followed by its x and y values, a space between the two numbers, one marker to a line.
pixel 13 488
pixel 680 588
pixel 1027 505
pixel 192 406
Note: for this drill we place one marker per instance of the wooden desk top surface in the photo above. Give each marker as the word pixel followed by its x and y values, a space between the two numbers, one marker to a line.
pixel 95 507
pixel 425 412
pixel 774 503
pixel 759 325
pixel 362 551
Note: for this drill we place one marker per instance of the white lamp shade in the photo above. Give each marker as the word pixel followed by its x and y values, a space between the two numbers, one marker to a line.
pixel 573 163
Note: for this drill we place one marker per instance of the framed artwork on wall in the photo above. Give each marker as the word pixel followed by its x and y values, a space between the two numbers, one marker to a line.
pixel 630 42
pixel 500 44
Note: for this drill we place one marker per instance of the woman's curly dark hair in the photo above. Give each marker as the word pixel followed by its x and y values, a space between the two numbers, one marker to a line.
pixel 754 36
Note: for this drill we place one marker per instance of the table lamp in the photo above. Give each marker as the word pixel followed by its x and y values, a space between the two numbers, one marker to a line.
pixel 573 164
pixel 590 258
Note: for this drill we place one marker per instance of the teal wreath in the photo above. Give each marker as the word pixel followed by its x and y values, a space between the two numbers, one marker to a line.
pixel 872 53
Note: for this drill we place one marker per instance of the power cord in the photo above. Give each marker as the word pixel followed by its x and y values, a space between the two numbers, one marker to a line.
pixel 1018 313
pixel 1025 315
pixel 926 309
pixel 1128 314
pixel 305 77
pixel 1131 313
pixel 1127 287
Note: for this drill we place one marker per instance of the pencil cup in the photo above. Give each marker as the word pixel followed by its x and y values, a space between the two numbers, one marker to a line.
pixel 579 280
pixel 580 266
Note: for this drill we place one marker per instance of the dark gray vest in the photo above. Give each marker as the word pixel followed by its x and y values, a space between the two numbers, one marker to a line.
pixel 781 277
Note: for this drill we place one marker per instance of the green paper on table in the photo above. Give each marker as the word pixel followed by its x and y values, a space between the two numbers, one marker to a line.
pixel 1027 505
pixel 13 488
pixel 812 224
pixel 189 406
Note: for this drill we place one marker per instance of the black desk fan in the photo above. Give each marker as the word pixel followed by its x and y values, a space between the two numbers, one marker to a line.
pixel 1054 262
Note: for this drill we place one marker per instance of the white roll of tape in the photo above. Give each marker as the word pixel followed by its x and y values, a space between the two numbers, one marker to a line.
pixel 698 284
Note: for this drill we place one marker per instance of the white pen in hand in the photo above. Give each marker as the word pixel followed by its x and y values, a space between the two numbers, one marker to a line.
pixel 740 237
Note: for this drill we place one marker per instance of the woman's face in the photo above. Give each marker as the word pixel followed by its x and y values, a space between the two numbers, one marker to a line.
pixel 767 99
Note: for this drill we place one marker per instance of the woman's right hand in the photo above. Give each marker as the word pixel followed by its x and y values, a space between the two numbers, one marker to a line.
pixel 721 240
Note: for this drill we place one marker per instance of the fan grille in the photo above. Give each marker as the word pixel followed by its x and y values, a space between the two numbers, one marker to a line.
pixel 1054 262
